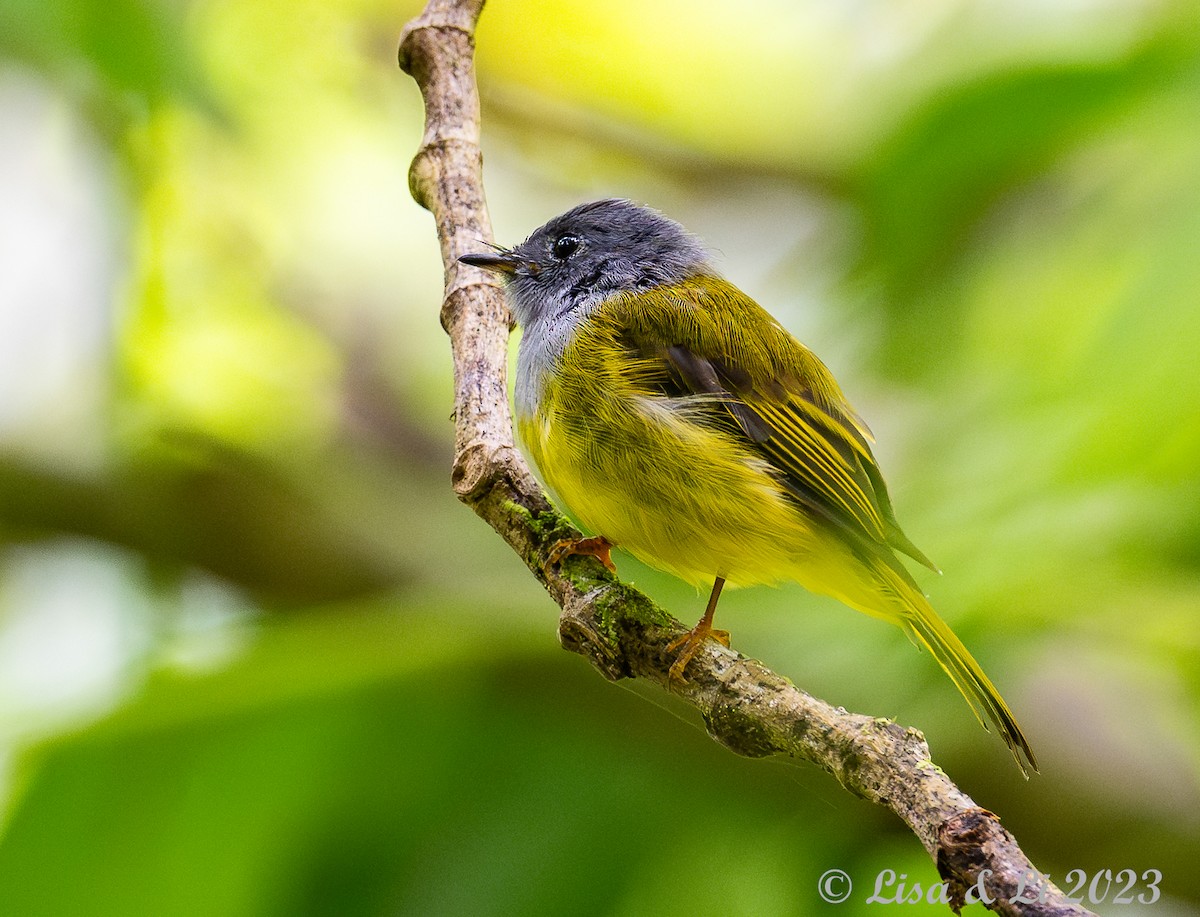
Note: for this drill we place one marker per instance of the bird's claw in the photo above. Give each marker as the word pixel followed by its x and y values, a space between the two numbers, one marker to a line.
pixel 597 546
pixel 689 645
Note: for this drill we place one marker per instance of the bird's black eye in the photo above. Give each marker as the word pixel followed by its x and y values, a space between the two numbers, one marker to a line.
pixel 564 247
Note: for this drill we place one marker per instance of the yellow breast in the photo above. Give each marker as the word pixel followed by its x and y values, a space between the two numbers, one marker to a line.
pixel 639 469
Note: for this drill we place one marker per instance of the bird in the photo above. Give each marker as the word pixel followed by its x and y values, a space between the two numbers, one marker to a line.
pixel 679 421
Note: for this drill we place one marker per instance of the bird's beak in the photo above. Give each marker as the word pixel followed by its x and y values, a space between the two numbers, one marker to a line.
pixel 501 262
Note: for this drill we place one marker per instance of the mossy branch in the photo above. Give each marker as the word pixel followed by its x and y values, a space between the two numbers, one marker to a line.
pixel 747 707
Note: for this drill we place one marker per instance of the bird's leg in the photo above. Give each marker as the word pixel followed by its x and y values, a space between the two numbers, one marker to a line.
pixel 689 644
pixel 598 547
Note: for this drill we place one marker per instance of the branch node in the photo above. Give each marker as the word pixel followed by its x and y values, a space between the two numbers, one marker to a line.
pixel 580 631
pixel 479 466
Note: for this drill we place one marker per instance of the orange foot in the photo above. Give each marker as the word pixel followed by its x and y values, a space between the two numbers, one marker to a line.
pixel 689 644
pixel 597 546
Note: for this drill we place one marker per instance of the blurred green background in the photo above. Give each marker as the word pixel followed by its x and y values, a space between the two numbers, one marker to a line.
pixel 256 660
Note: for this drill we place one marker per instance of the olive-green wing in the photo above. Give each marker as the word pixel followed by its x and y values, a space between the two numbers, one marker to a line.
pixel 707 339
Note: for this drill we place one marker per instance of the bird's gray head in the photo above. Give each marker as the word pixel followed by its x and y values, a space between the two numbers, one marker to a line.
pixel 590 253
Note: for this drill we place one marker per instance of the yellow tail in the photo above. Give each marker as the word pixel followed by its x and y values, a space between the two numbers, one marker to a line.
pixel 925 628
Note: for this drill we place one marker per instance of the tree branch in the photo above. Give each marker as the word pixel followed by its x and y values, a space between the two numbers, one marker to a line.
pixel 746 706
